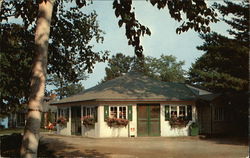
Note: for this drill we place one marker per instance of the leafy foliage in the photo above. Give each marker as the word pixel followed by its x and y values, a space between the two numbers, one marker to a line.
pixel 16 53
pixel 118 65
pixel 239 22
pixel 64 88
pixel 195 12
pixel 166 68
pixel 70 53
pixel 224 66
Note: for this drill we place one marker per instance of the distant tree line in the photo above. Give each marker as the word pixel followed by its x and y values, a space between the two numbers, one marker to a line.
pixel 166 68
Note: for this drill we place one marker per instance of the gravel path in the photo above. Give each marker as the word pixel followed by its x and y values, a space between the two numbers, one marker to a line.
pixel 144 147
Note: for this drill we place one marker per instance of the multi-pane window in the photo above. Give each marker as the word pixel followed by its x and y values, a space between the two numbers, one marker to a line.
pixel 63 112
pixel 122 112
pixel 219 114
pixel 173 111
pixel 118 112
pixel 113 112
pixel 179 111
pixel 90 111
pixel 182 112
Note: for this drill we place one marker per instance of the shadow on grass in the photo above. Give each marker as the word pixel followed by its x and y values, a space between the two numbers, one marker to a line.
pixel 10 147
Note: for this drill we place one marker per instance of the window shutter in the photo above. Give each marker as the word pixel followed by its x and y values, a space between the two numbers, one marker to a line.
pixel 66 113
pixel 189 112
pixel 130 113
pixel 84 111
pixel 95 113
pixel 166 112
pixel 106 111
pixel 59 113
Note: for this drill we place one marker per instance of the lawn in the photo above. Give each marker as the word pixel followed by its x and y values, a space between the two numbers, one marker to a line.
pixel 9 131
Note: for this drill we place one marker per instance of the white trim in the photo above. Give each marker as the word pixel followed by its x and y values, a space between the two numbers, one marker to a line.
pixel 118 106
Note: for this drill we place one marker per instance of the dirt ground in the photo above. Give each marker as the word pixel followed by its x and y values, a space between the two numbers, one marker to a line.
pixel 144 147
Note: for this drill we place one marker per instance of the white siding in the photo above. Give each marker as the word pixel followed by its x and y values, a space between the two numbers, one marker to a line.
pixel 67 130
pixel 91 131
pixel 106 131
pixel 101 128
pixel 133 123
pixel 166 129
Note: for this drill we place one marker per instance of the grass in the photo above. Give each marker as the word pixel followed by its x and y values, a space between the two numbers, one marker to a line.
pixel 16 130
pixel 11 130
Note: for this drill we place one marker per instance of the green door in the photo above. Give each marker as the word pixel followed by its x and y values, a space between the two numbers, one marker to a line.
pixel 76 128
pixel 148 120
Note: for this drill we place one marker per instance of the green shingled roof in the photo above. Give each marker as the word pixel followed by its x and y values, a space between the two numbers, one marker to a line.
pixel 134 86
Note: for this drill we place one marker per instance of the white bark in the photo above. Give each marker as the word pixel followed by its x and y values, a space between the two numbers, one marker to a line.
pixel 1 2
pixel 39 70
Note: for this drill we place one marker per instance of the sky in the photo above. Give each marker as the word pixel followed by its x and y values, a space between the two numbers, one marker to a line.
pixel 163 39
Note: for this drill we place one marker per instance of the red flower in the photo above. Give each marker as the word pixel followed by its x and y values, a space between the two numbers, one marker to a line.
pixel 112 122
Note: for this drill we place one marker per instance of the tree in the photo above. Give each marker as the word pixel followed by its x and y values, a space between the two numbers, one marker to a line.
pixel 166 68
pixel 195 12
pixel 69 55
pixel 224 66
pixel 17 51
pixel 198 17
pixel 117 65
pixel 64 88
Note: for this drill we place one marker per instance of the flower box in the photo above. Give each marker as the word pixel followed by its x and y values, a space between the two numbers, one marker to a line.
pixel 176 122
pixel 88 121
pixel 62 121
pixel 116 122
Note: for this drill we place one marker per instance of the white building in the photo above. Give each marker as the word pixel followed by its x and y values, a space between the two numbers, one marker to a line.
pixel 150 107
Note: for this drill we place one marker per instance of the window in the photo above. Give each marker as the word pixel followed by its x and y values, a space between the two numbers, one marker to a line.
pixel 173 111
pixel 90 111
pixel 219 114
pixel 180 111
pixel 63 112
pixel 118 112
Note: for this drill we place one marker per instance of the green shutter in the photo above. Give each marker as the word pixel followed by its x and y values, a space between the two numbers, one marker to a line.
pixel 67 113
pixel 130 113
pixel 84 111
pixel 95 113
pixel 106 111
pixel 167 115
pixel 189 112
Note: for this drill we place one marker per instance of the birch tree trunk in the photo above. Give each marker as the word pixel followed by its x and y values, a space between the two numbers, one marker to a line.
pixel 1 1
pixel 38 77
